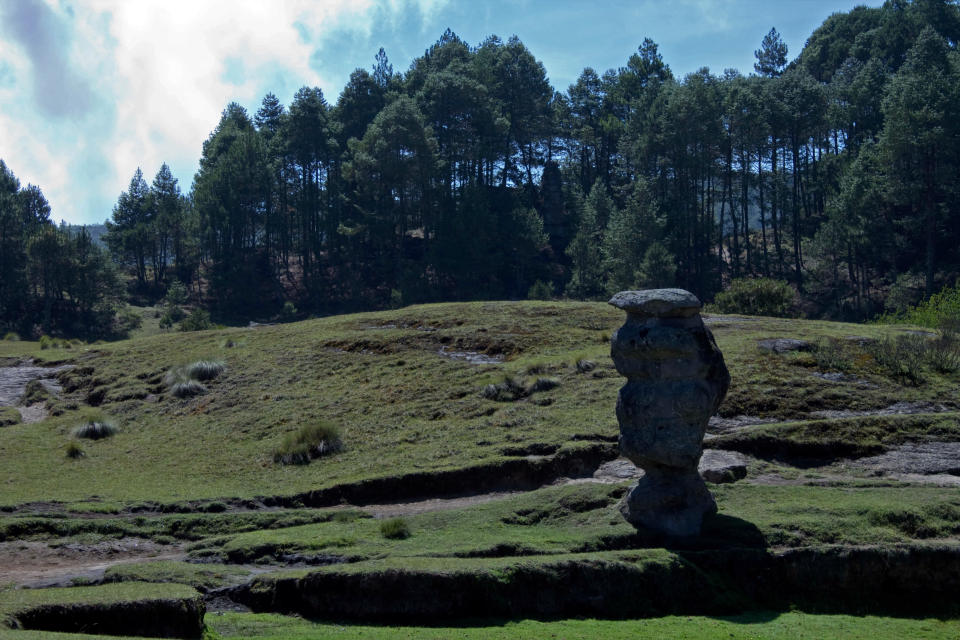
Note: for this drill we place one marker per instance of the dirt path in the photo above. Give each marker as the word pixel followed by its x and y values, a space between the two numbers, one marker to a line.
pixel 38 564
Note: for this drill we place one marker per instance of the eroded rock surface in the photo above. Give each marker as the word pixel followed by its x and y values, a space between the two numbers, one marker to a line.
pixel 676 379
pixel 718 466
pixel 783 345
pixel 923 458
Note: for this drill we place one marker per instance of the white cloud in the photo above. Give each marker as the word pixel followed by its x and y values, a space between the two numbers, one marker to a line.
pixel 161 72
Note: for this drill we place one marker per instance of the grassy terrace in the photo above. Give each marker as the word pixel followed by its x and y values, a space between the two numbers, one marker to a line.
pixel 417 419
pixel 403 407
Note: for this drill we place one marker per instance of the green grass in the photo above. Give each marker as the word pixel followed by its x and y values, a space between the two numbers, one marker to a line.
pixel 760 625
pixel 9 416
pixel 199 576
pixel 15 600
pixel 549 521
pixel 752 626
pixel 585 517
pixel 406 407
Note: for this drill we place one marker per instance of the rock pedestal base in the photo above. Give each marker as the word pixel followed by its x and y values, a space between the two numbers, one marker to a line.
pixel 673 503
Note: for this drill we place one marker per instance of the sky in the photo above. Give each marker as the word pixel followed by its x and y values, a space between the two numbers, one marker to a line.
pixel 91 90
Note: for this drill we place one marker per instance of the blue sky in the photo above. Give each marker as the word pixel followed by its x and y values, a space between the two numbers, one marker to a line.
pixel 91 90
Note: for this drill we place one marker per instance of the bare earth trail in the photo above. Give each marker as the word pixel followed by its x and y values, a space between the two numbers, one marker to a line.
pixel 33 564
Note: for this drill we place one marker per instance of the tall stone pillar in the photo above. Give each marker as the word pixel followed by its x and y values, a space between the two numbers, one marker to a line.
pixel 676 379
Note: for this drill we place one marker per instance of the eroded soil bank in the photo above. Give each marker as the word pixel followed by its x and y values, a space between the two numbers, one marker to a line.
pixel 905 580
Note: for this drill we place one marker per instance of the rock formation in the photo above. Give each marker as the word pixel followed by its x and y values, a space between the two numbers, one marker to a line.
pixel 676 379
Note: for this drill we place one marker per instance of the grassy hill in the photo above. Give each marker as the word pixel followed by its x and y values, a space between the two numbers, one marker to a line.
pixel 464 413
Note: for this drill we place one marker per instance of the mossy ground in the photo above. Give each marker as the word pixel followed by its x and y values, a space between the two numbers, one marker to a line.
pixel 194 471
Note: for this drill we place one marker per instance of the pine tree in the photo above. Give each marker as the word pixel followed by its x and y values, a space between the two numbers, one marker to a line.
pixel 771 56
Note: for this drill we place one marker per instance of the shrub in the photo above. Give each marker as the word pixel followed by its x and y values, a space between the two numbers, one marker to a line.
pixel 204 369
pixel 396 298
pixel 308 442
pixel 540 290
pixel 543 384
pixel 904 292
pixel 289 312
pixel 198 320
pixel 127 320
pixel 902 357
pixel 755 297
pixel 46 342
pixel 12 336
pixel 75 451
pixel 176 293
pixel 942 307
pixel 831 355
pixel 94 426
pixel 943 354
pixel 395 529
pixel 171 316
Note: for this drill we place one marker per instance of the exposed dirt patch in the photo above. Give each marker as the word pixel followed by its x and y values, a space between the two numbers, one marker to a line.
pixel 38 564
pixel 14 380
pixel 471 357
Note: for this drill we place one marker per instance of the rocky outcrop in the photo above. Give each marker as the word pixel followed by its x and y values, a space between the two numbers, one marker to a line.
pixel 676 379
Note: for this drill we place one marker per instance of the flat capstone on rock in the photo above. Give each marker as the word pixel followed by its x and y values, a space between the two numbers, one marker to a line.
pixel 661 303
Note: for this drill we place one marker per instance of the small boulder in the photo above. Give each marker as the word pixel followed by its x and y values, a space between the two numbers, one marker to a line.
pixel 782 345
pixel 719 466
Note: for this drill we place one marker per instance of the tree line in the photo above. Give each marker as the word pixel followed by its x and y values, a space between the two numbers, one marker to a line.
pixel 52 277
pixel 469 177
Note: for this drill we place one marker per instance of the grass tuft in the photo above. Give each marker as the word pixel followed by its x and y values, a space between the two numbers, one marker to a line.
pixel 309 442
pixel 95 426
pixel 543 384
pixel 184 381
pixel 205 369
pixel 395 529
pixel 75 451
pixel 187 389
pixel 585 366
pixel 11 336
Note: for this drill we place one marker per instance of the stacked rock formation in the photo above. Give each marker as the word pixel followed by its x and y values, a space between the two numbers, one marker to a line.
pixel 676 379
